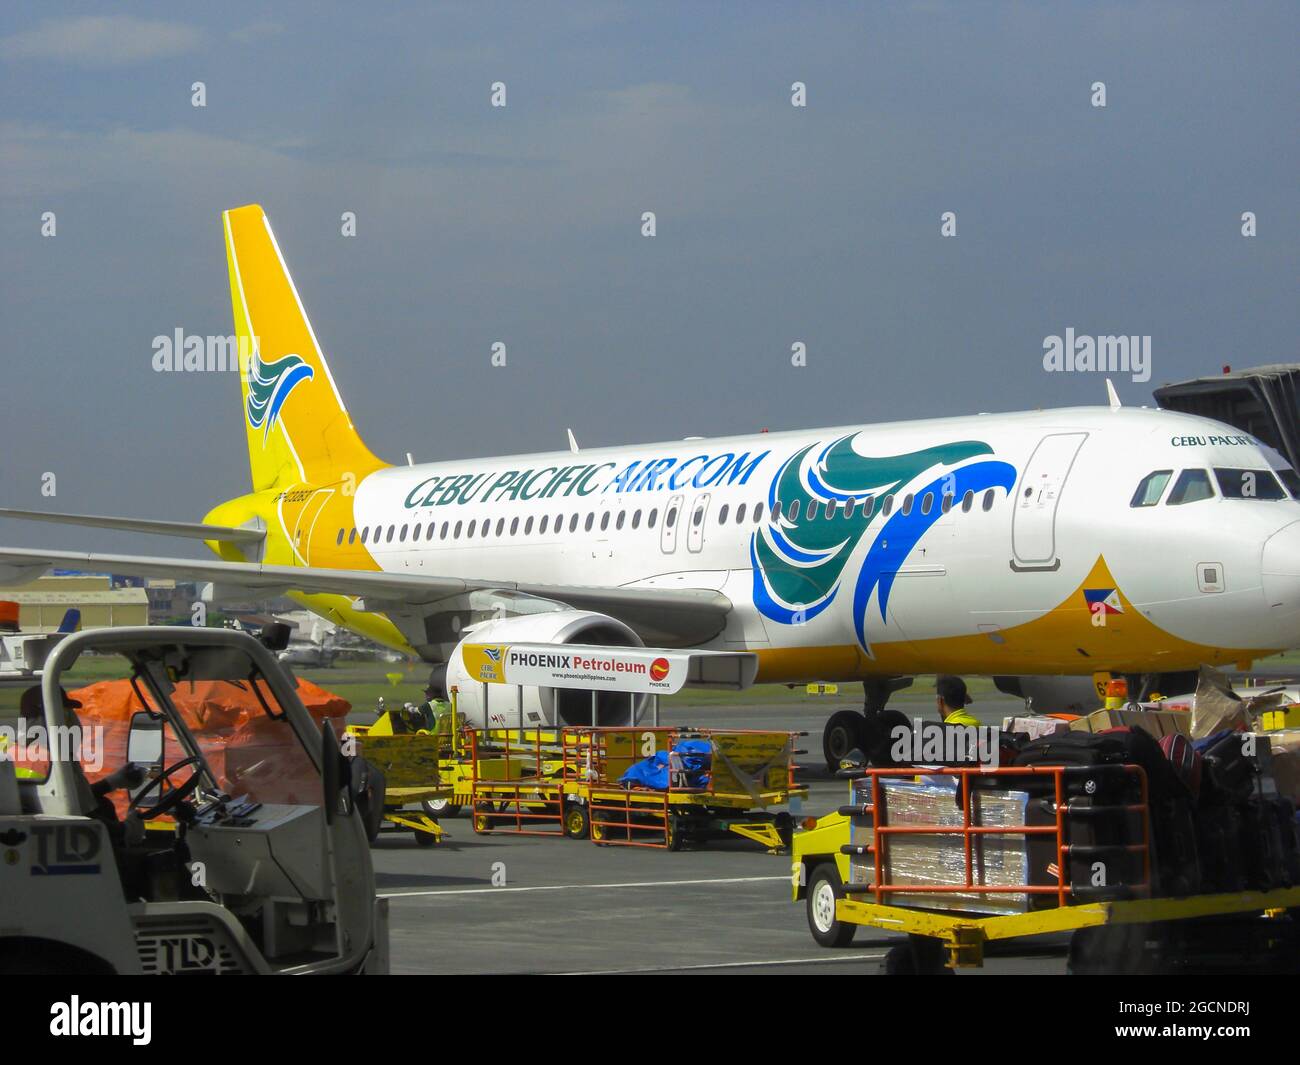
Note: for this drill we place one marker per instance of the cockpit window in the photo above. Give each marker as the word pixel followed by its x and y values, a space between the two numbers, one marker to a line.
pixel 1248 484
pixel 1291 480
pixel 1191 486
pixel 1151 489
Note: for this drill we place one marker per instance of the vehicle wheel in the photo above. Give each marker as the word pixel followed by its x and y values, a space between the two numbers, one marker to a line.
pixel 824 889
pixel 577 825
pixel 674 833
pixel 845 729
pixel 919 956
pixel 436 808
pixel 483 819
pixel 425 839
pixel 598 835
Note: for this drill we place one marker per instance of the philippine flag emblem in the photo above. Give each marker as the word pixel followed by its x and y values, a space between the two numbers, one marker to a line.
pixel 1103 600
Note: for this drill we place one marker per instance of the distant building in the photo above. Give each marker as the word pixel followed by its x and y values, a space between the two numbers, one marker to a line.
pixel 43 602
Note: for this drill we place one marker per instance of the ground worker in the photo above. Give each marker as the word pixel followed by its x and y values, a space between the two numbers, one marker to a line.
pixel 436 710
pixel 953 698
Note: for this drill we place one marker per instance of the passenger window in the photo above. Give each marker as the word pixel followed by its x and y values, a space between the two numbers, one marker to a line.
pixel 698 517
pixel 456 535
pixel 391 530
pixel 1247 484
pixel 831 507
pixel 573 523
pixel 988 500
pixel 1191 486
pixel 927 501
pixel 889 505
pixel 470 531
pixel 967 501
pixel 811 513
pixel 636 518
pixel 604 521
pixel 758 513
pixel 670 519
pixel 740 513
pixel 591 520
pixel 1151 488
pixel 907 504
pixel 443 534
pixel 793 512
pixel 352 536
pixel 947 503
pixel 542 528
pixel 339 541
pixel 618 522
pixel 402 535
pixel 501 524
pixel 654 515
pixel 514 525
pixel 487 527
pixel 722 514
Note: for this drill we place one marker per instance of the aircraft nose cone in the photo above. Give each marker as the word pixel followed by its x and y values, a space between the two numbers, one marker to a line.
pixel 1280 576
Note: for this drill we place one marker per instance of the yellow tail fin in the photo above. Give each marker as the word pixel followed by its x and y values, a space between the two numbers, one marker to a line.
pixel 298 427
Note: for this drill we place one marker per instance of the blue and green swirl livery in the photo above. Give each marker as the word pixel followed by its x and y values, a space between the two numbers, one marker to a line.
pixel 269 385
pixel 799 565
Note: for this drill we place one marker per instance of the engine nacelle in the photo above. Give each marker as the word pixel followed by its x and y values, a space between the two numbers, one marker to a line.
pixel 543 707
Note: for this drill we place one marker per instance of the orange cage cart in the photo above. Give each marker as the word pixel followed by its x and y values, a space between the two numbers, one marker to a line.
pixel 951 857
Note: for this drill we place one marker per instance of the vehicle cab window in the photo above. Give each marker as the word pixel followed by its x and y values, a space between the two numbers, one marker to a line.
pixel 1191 487
pixel 1291 481
pixel 1247 484
pixel 1151 488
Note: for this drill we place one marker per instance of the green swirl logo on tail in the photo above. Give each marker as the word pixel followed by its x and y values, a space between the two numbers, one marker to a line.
pixel 269 385
pixel 799 561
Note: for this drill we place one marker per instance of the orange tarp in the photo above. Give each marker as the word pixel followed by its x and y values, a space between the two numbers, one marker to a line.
pixel 265 760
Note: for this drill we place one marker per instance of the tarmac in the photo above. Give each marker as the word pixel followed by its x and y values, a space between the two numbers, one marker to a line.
pixel 522 904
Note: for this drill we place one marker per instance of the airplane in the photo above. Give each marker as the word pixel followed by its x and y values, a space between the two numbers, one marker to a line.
pixel 1054 543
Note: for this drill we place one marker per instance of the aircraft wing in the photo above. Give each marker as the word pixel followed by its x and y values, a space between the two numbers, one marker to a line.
pixel 690 614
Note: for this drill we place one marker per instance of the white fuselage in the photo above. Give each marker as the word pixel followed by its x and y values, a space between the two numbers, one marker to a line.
pixel 1049 501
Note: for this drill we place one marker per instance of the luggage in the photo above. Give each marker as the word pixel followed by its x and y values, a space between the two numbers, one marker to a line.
pixel 1226 760
pixel 1185 759
pixel 1099 837
pixel 1175 866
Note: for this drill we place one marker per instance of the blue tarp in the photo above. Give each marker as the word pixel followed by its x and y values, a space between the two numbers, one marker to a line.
pixel 695 758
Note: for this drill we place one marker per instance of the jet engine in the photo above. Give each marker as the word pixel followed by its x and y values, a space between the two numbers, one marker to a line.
pixel 543 706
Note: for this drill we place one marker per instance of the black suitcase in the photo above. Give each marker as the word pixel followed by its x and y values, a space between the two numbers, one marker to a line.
pixel 1175 866
pixel 1099 837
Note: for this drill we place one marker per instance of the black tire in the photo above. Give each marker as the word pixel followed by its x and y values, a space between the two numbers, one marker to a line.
pixel 919 956
pixel 675 834
pixel 437 808
pixel 577 822
pixel 825 889
pixel 784 823
pixel 845 729
pixel 425 839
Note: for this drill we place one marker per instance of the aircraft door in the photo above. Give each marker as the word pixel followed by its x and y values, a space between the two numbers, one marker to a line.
pixel 672 520
pixel 695 531
pixel 1033 522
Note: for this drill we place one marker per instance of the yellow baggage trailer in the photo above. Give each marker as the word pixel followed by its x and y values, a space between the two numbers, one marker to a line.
pixel 570 784
pixel 845 878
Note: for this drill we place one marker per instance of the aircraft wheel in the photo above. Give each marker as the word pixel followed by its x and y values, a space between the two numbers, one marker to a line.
pixel 845 729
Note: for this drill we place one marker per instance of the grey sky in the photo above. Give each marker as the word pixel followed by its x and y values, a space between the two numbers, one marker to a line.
pixel 522 224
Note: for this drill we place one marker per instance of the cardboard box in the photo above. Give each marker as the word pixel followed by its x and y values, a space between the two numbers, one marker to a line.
pixel 1157 722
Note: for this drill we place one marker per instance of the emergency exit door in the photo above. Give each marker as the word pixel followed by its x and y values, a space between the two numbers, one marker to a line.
pixel 1033 521
pixel 672 521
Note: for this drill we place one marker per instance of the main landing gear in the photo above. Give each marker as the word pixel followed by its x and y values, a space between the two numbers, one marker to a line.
pixel 865 729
